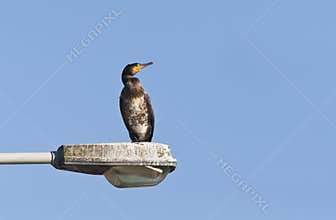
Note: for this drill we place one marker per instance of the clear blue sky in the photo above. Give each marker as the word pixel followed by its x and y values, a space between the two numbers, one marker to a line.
pixel 241 89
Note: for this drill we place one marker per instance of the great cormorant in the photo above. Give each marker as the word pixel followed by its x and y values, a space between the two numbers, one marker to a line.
pixel 135 105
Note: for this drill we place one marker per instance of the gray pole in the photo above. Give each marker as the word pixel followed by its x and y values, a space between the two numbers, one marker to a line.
pixel 26 158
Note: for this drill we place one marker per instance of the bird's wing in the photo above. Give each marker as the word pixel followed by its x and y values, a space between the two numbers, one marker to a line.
pixel 125 114
pixel 150 117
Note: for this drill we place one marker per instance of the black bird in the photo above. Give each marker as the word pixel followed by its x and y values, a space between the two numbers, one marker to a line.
pixel 135 105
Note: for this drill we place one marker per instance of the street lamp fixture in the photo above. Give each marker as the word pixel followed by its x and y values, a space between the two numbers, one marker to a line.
pixel 124 165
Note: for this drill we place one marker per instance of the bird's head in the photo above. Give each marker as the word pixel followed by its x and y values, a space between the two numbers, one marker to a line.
pixel 132 69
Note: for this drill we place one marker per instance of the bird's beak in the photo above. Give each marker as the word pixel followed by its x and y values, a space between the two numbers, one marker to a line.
pixel 146 64
pixel 139 67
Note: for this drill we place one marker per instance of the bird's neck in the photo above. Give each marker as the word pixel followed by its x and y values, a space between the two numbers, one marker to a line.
pixel 125 78
pixel 134 87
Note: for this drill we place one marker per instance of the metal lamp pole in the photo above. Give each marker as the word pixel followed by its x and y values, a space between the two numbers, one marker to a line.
pixel 26 158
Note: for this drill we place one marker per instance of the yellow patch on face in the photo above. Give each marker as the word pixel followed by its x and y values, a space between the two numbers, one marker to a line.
pixel 137 68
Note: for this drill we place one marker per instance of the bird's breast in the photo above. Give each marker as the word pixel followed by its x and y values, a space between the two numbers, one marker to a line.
pixel 137 104
pixel 138 113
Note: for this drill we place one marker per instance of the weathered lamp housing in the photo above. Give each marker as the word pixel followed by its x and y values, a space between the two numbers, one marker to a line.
pixel 123 164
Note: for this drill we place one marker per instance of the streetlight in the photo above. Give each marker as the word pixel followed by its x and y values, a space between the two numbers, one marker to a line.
pixel 124 165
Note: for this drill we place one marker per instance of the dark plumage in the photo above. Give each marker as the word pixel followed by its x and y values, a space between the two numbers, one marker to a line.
pixel 135 105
